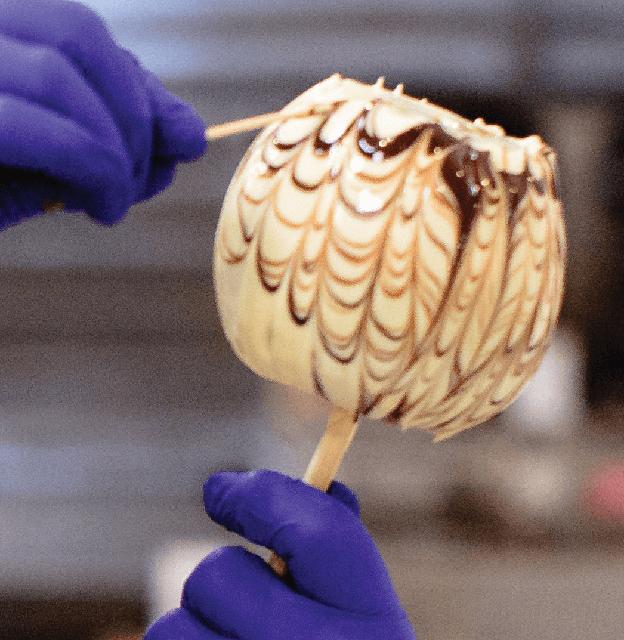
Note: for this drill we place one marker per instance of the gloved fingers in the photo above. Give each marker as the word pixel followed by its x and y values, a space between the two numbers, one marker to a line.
pixel 160 177
pixel 325 546
pixel 345 495
pixel 95 177
pixel 82 36
pixel 180 624
pixel 179 132
pixel 45 77
pixel 236 593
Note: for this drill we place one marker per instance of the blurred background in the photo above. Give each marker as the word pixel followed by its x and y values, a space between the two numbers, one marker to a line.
pixel 119 395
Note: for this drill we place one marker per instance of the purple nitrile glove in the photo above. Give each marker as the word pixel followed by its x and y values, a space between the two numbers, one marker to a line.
pixel 80 121
pixel 337 589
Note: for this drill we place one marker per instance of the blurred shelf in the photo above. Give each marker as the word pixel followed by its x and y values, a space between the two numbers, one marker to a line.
pixel 503 47
pixel 119 374
pixel 156 235
pixel 584 64
pixel 138 304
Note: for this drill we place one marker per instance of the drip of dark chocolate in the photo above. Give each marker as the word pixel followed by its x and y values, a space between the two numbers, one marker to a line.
pixel 554 185
pixel 540 186
pixel 466 172
pixel 516 188
pixel 320 146
pixel 398 412
pixel 440 139
pixel 384 148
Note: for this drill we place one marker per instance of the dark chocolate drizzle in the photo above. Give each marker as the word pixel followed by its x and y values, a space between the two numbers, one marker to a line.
pixel 398 412
pixel 554 184
pixel 440 139
pixel 516 187
pixel 383 148
pixel 466 172
pixel 320 146
pixel 540 186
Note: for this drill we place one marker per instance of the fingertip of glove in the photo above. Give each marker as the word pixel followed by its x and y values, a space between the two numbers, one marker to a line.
pixel 178 623
pixel 107 207
pixel 347 497
pixel 227 492
pixel 192 137
pixel 192 131
pixel 182 133
pixel 224 561
pixel 107 216
pixel 105 221
pixel 214 489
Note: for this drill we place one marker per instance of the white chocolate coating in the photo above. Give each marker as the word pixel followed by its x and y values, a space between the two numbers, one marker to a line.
pixel 401 261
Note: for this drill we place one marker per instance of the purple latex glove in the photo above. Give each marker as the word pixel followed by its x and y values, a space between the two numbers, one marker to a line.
pixel 337 589
pixel 80 121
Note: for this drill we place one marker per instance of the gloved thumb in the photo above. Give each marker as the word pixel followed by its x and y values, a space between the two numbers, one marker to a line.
pixel 325 546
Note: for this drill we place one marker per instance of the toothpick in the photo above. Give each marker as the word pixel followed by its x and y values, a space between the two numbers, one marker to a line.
pixel 240 126
pixel 258 122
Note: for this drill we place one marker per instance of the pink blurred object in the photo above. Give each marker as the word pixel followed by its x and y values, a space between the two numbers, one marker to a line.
pixel 604 496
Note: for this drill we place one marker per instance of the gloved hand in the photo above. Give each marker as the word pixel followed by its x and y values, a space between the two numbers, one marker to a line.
pixel 80 121
pixel 337 589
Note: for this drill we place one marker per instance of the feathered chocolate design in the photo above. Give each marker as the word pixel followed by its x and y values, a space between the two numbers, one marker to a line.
pixel 395 258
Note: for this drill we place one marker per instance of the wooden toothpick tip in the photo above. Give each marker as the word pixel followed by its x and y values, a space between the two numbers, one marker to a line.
pixel 263 120
pixel 240 126
pixel 53 207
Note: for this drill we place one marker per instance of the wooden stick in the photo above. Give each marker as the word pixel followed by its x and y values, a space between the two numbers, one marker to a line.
pixel 240 126
pixel 331 450
pixel 338 436
pixel 52 207
pixel 258 122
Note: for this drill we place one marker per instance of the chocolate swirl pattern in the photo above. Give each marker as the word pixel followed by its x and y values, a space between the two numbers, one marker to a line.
pixel 393 257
